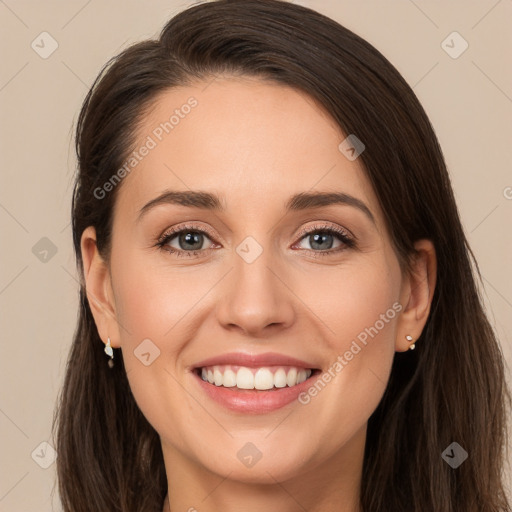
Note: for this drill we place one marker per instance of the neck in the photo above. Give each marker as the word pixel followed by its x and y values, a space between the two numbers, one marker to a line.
pixel 332 486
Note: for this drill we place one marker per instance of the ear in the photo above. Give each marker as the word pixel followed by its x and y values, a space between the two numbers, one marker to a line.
pixel 416 294
pixel 99 289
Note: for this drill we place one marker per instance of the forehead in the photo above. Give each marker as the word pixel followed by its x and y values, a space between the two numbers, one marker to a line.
pixel 251 142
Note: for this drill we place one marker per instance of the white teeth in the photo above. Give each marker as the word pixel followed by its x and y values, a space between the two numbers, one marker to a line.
pixel 217 377
pixel 229 379
pixel 244 379
pixel 291 378
pixel 251 378
pixel 263 379
pixel 280 378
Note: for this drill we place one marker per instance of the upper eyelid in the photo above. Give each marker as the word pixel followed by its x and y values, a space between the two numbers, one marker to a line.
pixel 311 229
pixel 174 231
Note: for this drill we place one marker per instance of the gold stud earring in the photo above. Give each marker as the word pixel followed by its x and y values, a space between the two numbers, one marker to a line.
pixel 409 338
pixel 110 352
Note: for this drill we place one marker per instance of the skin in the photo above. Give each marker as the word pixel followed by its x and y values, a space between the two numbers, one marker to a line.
pixel 256 143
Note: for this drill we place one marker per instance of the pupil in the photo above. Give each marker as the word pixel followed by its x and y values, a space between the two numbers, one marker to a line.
pixel 319 238
pixel 191 238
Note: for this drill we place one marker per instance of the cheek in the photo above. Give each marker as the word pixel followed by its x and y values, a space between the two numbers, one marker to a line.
pixel 361 312
pixel 151 308
pixel 152 297
pixel 358 309
pixel 155 304
pixel 353 301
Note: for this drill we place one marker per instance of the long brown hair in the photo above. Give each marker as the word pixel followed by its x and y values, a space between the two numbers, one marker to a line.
pixel 451 388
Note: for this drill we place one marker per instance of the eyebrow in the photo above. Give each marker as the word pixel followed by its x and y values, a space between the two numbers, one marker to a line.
pixel 297 202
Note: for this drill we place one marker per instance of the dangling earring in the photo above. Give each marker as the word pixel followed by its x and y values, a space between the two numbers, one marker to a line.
pixel 110 352
pixel 409 338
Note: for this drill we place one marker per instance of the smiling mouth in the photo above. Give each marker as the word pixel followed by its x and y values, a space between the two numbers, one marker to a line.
pixel 266 378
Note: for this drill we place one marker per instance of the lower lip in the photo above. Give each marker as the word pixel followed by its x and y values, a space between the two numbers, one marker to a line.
pixel 251 400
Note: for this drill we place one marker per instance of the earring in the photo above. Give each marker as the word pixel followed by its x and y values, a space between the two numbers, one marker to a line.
pixel 409 338
pixel 110 352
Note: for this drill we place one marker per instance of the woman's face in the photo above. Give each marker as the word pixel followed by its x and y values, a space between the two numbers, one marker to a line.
pixel 255 290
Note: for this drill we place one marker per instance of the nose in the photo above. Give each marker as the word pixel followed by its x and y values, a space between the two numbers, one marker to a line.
pixel 256 299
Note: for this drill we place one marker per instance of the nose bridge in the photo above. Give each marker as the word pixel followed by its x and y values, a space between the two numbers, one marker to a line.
pixel 255 297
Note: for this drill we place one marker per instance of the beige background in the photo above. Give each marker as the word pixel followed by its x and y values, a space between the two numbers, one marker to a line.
pixel 468 99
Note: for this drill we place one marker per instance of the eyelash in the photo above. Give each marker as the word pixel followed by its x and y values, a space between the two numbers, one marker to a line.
pixel 348 241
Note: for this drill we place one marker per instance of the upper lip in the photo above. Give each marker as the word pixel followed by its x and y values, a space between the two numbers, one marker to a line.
pixel 254 360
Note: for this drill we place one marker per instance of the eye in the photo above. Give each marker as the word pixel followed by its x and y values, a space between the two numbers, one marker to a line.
pixel 322 237
pixel 189 241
